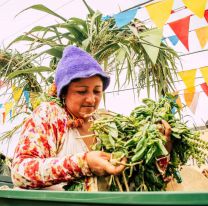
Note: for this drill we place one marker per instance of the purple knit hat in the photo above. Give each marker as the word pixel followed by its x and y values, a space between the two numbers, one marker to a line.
pixel 76 63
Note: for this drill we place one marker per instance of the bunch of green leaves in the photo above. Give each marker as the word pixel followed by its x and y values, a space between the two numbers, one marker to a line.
pixel 139 138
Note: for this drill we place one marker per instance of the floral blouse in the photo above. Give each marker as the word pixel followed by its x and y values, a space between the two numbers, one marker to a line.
pixel 35 163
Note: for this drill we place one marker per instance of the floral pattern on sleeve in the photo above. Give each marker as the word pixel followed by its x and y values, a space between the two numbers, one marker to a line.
pixel 35 164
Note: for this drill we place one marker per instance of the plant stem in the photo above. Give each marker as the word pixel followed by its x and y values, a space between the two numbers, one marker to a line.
pixel 119 184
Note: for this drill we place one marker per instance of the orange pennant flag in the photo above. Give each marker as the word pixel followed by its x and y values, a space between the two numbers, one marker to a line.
pixel 181 29
pixel 178 99
pixel 4 117
pixel 189 95
pixel 196 6
pixel 159 12
pixel 194 103
pixel 204 72
pixel 178 102
pixel 202 34
pixel 188 77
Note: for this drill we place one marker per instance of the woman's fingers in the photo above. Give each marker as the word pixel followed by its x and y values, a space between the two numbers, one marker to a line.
pixel 99 163
pixel 115 169
pixel 167 129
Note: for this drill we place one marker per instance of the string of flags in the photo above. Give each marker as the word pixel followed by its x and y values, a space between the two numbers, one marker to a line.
pixel 7 109
pixel 190 95
pixel 160 11
pixel 188 77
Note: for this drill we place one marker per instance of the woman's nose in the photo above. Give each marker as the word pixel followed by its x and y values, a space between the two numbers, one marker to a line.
pixel 90 98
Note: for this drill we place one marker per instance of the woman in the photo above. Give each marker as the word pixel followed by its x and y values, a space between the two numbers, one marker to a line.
pixel 51 152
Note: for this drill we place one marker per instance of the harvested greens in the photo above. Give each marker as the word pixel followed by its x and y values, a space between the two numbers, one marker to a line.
pixel 139 138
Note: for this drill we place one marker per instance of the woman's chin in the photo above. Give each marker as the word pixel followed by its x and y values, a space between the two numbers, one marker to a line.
pixel 87 113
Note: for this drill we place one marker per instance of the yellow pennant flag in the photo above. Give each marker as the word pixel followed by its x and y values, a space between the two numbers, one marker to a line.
pixel 189 95
pixel 196 6
pixel 159 12
pixel 202 34
pixel 188 77
pixel 204 72
pixel 8 106
pixel 34 99
pixel 17 92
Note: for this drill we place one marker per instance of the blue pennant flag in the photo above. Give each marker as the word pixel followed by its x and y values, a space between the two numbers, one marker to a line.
pixel 10 114
pixel 174 39
pixel 125 17
pixel 27 96
pixel 1 106
pixel 105 18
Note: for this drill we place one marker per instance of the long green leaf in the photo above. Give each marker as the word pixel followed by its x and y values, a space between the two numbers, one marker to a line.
pixel 20 38
pixel 29 71
pixel 56 52
pixel 43 8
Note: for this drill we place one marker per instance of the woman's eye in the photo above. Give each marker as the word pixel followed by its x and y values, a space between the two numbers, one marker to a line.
pixel 97 92
pixel 81 92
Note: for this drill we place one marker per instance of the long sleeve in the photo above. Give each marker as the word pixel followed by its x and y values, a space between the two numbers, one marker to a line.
pixel 35 164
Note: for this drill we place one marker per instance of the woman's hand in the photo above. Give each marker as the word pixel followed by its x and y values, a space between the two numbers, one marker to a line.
pixel 167 133
pixel 165 129
pixel 99 163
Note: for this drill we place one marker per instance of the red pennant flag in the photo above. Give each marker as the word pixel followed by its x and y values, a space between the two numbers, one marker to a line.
pixel 204 86
pixel 206 15
pixel 181 29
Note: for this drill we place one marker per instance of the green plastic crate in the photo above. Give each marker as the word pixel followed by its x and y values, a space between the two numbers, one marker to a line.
pixel 55 198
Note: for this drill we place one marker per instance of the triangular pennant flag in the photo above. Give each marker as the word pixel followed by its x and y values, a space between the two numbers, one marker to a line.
pixel 188 77
pixel 202 34
pixel 204 72
pixel 124 18
pixel 151 41
pixel 189 95
pixel 10 114
pixel 3 117
pixel 181 29
pixel 173 39
pixel 1 106
pixel 159 12
pixel 1 83
pixel 8 106
pixel 204 86
pixel 27 96
pixel 206 15
pixel 196 6
pixel 17 92
pixel 177 101
pixel 34 99
pixel 194 103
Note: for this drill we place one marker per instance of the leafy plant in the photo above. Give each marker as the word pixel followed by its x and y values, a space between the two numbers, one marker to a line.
pixel 139 137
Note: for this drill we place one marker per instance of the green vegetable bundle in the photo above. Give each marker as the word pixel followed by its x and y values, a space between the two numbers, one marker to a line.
pixel 139 138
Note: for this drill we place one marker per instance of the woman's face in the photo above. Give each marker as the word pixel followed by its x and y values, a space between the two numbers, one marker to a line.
pixel 83 96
